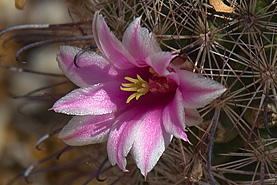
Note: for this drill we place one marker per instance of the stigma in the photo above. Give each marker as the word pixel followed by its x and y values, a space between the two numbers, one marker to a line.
pixel 139 86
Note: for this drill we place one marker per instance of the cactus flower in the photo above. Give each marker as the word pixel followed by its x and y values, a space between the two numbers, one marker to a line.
pixel 130 95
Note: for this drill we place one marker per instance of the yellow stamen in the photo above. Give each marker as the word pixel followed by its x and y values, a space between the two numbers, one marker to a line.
pixel 138 85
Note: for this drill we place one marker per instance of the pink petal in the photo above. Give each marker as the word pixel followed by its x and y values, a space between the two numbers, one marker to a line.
pixel 160 62
pixel 92 100
pixel 197 91
pixel 150 141
pixel 192 117
pixel 95 30
pixel 174 117
pixel 122 136
pixel 109 45
pixel 85 130
pixel 139 42
pixel 93 68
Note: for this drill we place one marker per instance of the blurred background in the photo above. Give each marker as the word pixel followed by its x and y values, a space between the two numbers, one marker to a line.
pixel 24 118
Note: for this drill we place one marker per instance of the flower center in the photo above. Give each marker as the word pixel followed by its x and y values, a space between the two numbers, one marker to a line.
pixel 157 85
pixel 138 85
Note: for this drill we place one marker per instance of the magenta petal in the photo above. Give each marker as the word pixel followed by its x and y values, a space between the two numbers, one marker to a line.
pixel 150 140
pixel 85 130
pixel 174 117
pixel 160 62
pixel 122 136
pixel 85 101
pixel 197 91
pixel 92 69
pixel 110 46
pixel 192 117
pixel 139 42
